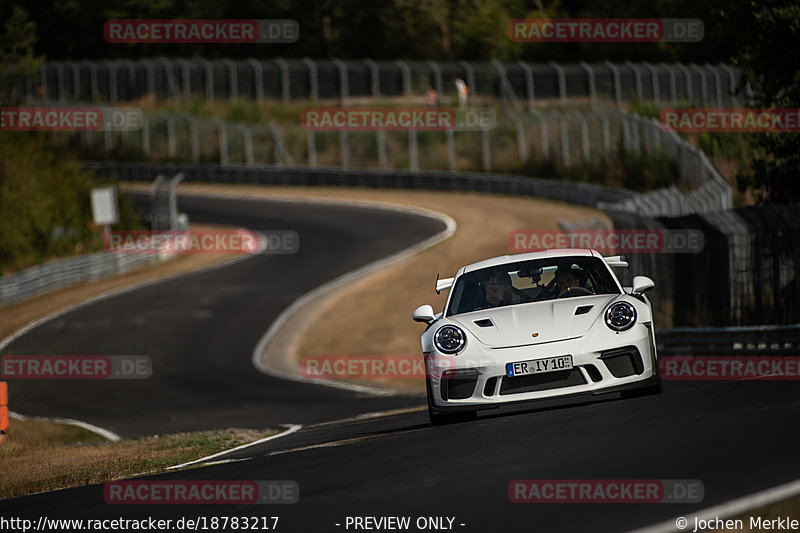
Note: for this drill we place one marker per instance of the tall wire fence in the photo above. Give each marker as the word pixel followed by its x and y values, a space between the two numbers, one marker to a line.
pixel 314 80
pixel 570 139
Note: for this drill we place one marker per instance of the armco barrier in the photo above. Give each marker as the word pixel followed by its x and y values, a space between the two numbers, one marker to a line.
pixel 577 193
pixel 56 274
pixel 731 341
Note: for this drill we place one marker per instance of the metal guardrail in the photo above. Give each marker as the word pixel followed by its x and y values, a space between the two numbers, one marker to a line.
pixel 748 340
pixel 577 193
pixel 48 277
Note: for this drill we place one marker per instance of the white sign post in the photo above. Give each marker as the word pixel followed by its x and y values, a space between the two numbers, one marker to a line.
pixel 104 207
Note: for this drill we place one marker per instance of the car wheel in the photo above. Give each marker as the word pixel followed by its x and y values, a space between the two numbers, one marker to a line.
pixel 437 418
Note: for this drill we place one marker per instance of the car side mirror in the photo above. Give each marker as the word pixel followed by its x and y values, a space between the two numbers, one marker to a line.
pixel 424 313
pixel 641 284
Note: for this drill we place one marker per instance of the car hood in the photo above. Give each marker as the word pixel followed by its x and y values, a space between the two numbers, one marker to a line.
pixel 534 323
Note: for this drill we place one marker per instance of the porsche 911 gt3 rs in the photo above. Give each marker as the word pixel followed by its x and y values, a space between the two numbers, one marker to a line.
pixel 536 326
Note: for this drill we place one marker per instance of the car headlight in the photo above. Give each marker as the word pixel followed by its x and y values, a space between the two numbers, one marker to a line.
pixel 620 316
pixel 450 339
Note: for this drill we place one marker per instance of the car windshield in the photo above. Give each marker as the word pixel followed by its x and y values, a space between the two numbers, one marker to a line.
pixel 531 281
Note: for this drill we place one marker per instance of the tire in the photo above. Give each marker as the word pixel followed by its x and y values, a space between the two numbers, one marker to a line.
pixel 437 418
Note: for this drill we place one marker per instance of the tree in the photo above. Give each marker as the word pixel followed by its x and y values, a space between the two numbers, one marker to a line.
pixel 767 59
pixel 17 62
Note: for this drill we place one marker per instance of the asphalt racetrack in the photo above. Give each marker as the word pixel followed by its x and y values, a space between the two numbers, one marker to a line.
pixel 200 329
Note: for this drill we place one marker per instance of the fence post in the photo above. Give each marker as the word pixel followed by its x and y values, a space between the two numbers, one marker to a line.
pixel 564 140
pixel 606 133
pixel 592 90
pixel 413 156
pixel 562 82
pixel 617 82
pixel 194 133
pixel 673 89
pixel 173 200
pixel 717 83
pixel 528 83
pixel 584 135
pixel 156 216
pixel 406 73
pixel 61 87
pixel 703 84
pixel 248 145
pixel 375 80
pixel 732 82
pixel 285 88
pixel 311 147
pixel 637 78
pixel 380 139
pixel 437 75
pixel 76 79
pixel 505 86
pixel 172 85
pixel 470 72
pixel 522 144
pixel 344 83
pixel 656 87
pixel 151 76
pixel 146 137
pixel 545 142
pixel 344 93
pixel 233 81
pixel 186 74
pixel 313 80
pixel 172 141
pixel 687 82
pixel 258 76
pixel 223 144
pixel 44 81
pixel 209 80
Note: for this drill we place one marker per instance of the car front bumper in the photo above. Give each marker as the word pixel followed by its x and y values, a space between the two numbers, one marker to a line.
pixel 603 361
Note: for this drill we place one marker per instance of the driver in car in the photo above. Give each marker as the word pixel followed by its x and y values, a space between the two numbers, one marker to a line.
pixel 497 289
pixel 571 282
pixel 566 279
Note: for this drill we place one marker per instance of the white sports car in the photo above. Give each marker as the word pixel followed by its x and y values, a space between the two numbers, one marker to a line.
pixel 533 326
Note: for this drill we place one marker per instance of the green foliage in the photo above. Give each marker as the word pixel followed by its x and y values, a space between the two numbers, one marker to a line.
pixel 45 200
pixel 389 29
pixel 768 60
pixel 17 60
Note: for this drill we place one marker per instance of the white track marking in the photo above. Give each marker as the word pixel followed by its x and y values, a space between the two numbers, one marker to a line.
pixel 294 428
pixel 728 509
pixel 267 365
pixel 106 434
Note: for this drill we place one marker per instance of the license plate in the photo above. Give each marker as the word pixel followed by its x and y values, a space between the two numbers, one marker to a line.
pixel 539 366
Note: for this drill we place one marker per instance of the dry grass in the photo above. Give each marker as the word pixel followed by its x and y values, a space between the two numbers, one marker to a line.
pixel 42 456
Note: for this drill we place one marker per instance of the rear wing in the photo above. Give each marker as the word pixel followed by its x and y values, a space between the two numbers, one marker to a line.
pixel 617 261
pixel 443 284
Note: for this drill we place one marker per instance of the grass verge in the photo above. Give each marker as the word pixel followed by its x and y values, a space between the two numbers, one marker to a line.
pixel 42 455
